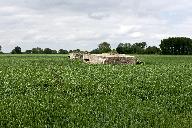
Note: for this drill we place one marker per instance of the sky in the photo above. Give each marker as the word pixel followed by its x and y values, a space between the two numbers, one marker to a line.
pixel 83 24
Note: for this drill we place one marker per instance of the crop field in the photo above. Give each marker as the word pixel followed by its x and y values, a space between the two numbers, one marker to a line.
pixel 53 91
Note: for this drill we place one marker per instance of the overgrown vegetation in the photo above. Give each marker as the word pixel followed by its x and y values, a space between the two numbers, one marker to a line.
pixel 52 91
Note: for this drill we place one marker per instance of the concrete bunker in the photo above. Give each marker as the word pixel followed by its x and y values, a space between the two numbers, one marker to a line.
pixel 105 58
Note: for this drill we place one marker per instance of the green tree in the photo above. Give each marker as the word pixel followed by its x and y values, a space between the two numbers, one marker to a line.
pixel 127 48
pixel 28 51
pixel 139 48
pixel 16 50
pixel 70 51
pixel 53 51
pixel 176 46
pixel 152 50
pixel 142 45
pixel 104 47
pixel 95 51
pixel 1 49
pixel 76 50
pixel 124 48
pixel 120 48
pixel 61 51
pixel 47 51
pixel 37 51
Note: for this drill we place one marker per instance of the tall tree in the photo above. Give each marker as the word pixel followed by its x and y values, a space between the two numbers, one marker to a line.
pixel 77 50
pixel 61 51
pixel 47 51
pixel 37 51
pixel 143 45
pixel 28 51
pixel 139 48
pixel 124 48
pixel 152 50
pixel 53 51
pixel 1 49
pixel 104 47
pixel 16 50
pixel 127 48
pixel 95 51
pixel 176 46
pixel 120 48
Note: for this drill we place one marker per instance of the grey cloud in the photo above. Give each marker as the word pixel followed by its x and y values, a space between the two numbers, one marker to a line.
pixel 78 23
pixel 98 15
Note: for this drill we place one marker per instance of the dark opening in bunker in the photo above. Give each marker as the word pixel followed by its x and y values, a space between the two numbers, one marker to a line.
pixel 86 60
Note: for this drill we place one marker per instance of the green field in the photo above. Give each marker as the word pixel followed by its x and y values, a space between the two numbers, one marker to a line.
pixel 52 91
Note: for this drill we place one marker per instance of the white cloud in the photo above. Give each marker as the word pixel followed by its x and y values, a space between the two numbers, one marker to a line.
pixel 125 29
pixel 83 24
pixel 98 15
pixel 136 35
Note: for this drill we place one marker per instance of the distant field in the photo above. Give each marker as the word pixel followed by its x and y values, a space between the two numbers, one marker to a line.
pixel 52 91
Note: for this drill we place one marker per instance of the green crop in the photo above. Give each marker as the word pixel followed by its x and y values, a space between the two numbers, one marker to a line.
pixel 53 91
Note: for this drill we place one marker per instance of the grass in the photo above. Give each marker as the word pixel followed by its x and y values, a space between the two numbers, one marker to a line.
pixel 52 91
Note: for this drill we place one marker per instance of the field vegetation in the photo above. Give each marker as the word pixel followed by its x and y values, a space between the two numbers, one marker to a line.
pixel 53 91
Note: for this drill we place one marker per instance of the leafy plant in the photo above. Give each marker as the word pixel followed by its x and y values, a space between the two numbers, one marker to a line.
pixel 52 91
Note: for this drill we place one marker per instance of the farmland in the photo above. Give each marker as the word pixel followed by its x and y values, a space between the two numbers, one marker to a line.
pixel 52 91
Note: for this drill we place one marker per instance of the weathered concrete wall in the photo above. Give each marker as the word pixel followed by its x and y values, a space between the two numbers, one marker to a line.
pixel 120 60
pixel 105 58
pixel 76 56
pixel 94 59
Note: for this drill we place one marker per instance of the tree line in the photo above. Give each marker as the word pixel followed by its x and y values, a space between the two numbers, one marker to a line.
pixel 169 46
pixel 37 50
pixel 127 48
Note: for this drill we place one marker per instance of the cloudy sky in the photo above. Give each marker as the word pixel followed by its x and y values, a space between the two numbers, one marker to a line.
pixel 72 24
